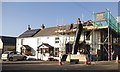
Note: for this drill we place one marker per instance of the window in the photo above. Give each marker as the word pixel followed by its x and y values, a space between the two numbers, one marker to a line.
pixel 56 52
pixel 38 41
pixel 22 40
pixel 27 52
pixel 11 52
pixel 45 50
pixel 56 41
pixel 87 35
pixel 56 38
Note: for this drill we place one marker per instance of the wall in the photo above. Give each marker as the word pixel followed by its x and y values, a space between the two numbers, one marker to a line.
pixel 34 42
pixel 9 48
pixel 51 41
pixel 1 44
pixel 31 41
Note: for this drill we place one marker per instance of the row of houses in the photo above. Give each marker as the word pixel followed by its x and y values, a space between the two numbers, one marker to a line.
pixel 58 40
pixel 54 41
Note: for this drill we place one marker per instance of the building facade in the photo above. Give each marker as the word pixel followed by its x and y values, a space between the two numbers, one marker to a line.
pixel 54 41
pixel 7 43
pixel 59 38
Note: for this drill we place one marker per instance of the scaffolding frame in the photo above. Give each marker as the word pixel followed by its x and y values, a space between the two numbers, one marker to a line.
pixel 107 39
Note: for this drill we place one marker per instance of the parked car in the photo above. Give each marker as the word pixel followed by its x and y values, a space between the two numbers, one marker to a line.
pixel 11 55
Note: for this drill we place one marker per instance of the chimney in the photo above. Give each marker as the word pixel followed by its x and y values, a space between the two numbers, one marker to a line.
pixel 29 27
pixel 43 26
pixel 71 26
pixel 78 21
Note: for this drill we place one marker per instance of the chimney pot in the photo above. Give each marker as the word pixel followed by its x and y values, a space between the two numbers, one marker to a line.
pixel 43 26
pixel 29 28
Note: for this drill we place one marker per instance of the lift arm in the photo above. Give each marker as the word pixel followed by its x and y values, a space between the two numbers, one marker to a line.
pixel 78 34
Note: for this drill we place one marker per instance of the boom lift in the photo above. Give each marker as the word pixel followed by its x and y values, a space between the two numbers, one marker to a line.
pixel 78 34
pixel 74 57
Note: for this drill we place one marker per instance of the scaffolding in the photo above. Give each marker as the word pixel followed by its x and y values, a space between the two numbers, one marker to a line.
pixel 103 21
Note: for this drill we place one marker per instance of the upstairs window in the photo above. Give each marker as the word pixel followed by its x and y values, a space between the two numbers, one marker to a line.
pixel 56 39
pixel 38 41
pixel 22 40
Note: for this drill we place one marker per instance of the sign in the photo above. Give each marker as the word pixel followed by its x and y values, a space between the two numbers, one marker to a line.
pixel 100 16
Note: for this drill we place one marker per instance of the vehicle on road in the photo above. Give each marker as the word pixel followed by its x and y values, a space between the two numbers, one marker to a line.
pixel 11 55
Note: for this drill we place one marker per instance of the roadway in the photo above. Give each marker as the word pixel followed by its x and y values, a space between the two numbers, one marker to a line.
pixel 50 65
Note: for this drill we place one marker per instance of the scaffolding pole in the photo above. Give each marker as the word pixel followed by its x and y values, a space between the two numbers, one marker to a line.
pixel 109 46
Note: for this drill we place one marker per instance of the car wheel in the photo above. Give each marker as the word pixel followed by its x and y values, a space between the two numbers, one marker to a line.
pixel 24 58
pixel 10 59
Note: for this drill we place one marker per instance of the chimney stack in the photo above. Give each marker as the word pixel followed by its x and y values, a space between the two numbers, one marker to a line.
pixel 78 21
pixel 43 26
pixel 29 28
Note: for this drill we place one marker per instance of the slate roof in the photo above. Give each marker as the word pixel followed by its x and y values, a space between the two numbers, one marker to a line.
pixel 8 40
pixel 46 31
pixel 29 33
pixel 50 31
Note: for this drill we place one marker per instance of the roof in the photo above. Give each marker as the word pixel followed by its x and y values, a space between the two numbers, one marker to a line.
pixel 27 46
pixel 8 40
pixel 46 44
pixel 61 29
pixel 57 30
pixel 50 31
pixel 29 33
pixel 44 32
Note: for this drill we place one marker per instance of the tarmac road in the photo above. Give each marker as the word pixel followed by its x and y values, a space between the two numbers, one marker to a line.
pixel 50 65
